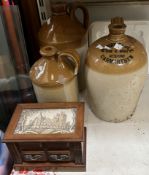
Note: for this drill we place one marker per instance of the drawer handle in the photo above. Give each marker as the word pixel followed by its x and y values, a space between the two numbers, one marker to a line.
pixel 59 157
pixel 32 157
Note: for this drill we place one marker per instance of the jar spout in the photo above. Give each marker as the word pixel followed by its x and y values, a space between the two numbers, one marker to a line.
pixel 117 26
pixel 48 51
pixel 59 8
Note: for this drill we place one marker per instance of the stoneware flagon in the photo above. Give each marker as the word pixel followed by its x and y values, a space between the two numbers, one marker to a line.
pixel 54 75
pixel 118 64
pixel 64 31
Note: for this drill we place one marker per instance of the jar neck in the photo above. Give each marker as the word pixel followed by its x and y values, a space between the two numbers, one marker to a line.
pixel 49 57
pixel 117 29
pixel 59 13
pixel 59 8
pixel 48 52
pixel 118 37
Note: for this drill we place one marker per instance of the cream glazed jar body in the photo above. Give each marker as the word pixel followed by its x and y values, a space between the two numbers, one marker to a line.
pixel 115 71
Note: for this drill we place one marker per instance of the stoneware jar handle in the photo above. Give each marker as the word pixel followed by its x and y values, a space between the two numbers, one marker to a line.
pixel 85 13
pixel 71 55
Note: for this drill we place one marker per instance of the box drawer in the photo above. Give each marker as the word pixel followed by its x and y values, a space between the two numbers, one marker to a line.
pixel 33 156
pixel 59 156
pixel 30 146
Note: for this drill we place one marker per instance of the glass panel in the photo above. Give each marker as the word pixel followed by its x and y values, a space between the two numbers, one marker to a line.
pixel 15 85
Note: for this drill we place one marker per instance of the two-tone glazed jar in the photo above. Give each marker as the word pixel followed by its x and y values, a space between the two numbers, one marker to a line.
pixel 116 68
pixel 64 31
pixel 54 75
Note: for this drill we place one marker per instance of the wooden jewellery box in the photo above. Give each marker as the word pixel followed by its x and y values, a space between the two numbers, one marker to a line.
pixel 49 135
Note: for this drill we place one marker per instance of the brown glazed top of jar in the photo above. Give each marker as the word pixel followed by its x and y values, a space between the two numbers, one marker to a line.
pixel 116 53
pixel 63 30
pixel 55 68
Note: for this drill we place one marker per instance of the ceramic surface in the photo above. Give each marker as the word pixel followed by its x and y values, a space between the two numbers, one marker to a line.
pixel 137 29
pixel 118 65
pixel 54 75
pixel 64 31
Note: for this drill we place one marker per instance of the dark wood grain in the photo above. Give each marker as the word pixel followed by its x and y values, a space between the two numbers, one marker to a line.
pixel 31 25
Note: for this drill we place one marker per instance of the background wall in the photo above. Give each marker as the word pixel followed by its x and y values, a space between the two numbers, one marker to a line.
pixel 106 9
pixel 127 11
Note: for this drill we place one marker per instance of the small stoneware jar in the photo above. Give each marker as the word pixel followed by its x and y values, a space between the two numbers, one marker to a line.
pixel 64 31
pixel 54 75
pixel 116 68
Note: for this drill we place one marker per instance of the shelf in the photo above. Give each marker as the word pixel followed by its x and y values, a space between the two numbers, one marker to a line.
pixel 118 148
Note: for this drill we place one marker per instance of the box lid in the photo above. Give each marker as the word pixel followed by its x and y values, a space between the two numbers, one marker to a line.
pixel 46 122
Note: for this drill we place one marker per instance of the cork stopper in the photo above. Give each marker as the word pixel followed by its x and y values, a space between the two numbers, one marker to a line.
pixel 117 26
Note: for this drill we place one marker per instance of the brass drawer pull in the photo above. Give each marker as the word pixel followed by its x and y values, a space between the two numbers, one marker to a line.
pixel 59 157
pixel 30 157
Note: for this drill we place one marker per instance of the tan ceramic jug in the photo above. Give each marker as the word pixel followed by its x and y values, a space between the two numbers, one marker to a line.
pixel 116 67
pixel 54 75
pixel 64 30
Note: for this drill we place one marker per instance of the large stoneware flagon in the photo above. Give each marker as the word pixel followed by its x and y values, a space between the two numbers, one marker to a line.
pixel 116 68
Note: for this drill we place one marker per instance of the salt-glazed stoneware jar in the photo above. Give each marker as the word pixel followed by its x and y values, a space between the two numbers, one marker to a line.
pixel 54 75
pixel 64 30
pixel 116 68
